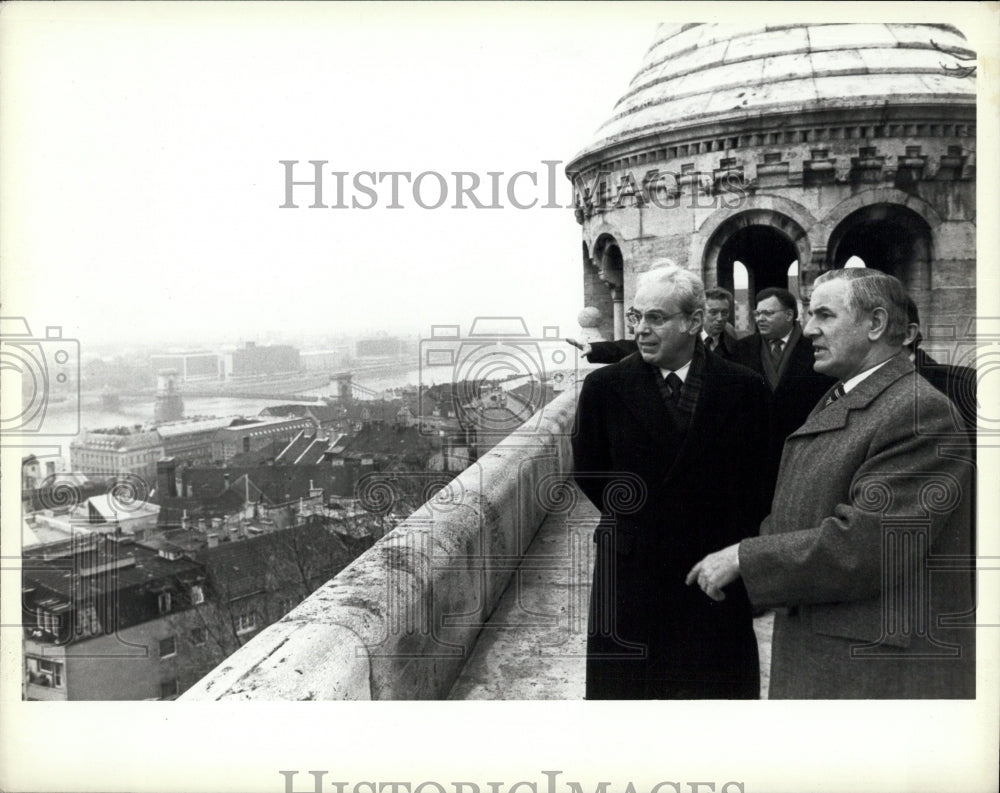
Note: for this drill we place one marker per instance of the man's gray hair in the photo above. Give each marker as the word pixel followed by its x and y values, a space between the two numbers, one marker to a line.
pixel 688 288
pixel 870 289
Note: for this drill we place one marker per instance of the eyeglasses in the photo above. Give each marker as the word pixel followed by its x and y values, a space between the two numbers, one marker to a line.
pixel 654 319
pixel 768 313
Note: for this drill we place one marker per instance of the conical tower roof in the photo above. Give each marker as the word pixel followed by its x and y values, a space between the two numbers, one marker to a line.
pixel 700 74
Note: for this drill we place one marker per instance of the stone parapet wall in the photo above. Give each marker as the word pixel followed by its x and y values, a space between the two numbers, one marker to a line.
pixel 402 619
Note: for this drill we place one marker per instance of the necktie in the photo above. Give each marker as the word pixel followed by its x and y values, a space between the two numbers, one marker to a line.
pixel 710 343
pixel 673 386
pixel 836 394
pixel 776 346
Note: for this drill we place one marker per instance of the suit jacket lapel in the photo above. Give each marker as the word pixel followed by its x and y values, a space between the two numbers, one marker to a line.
pixel 792 349
pixel 834 416
pixel 767 363
pixel 698 376
pixel 641 396
pixel 728 344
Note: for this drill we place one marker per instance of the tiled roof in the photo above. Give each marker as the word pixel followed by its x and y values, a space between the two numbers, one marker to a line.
pixel 112 509
pixel 239 569
pixel 174 429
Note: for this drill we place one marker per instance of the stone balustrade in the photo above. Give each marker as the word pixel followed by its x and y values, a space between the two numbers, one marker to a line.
pixel 401 620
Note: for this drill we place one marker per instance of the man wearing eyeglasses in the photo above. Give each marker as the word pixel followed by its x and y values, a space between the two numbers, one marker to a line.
pixel 652 433
pixel 784 356
pixel 718 334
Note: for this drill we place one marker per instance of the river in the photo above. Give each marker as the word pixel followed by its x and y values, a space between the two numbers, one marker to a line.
pixel 62 421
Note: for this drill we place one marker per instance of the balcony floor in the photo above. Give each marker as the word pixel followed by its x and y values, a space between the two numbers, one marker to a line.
pixel 534 645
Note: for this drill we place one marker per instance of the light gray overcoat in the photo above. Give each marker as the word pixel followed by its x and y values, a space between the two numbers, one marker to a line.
pixel 868 547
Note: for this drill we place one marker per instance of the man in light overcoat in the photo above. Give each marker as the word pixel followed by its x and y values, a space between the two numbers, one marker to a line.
pixel 866 551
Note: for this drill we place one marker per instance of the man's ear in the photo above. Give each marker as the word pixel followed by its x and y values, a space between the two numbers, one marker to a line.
pixel 697 321
pixel 879 324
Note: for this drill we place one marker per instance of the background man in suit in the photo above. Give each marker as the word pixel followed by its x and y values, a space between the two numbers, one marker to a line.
pixel 864 505
pixel 784 357
pixel 658 423
pixel 718 335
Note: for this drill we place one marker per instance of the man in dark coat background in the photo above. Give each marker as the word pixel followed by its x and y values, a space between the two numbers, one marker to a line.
pixel 784 357
pixel 958 383
pixel 680 431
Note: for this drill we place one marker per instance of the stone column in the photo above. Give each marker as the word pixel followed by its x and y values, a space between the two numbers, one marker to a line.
pixel 810 271
pixel 618 306
pixel 612 279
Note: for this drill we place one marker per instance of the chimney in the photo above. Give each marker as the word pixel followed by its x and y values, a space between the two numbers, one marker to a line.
pixel 185 521
pixel 213 540
pixel 166 477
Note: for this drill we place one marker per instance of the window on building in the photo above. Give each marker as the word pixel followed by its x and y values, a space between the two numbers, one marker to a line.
pixel 91 625
pixel 163 601
pixel 47 621
pixel 286 604
pixel 45 672
pixel 245 623
pixel 168 647
pixel 197 595
pixel 169 688
pixel 197 636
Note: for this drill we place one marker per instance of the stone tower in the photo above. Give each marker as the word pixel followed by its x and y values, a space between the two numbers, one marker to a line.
pixel 169 402
pixel 787 149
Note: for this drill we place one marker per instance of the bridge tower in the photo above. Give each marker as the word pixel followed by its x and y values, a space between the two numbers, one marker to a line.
pixel 169 403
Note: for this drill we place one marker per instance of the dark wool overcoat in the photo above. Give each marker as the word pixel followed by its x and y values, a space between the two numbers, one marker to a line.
pixel 668 495
pixel 866 551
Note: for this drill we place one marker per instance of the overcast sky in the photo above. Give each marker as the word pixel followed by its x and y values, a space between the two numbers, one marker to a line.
pixel 142 182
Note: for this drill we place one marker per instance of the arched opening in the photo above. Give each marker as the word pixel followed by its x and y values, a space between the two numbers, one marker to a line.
pixel 611 273
pixel 768 245
pixel 885 237
pixel 766 253
pixel 741 281
pixel 792 284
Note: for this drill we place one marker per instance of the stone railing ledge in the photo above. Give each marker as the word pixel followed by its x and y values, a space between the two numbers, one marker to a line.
pixel 400 621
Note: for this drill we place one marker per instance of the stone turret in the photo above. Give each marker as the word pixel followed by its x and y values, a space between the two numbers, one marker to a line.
pixel 787 150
